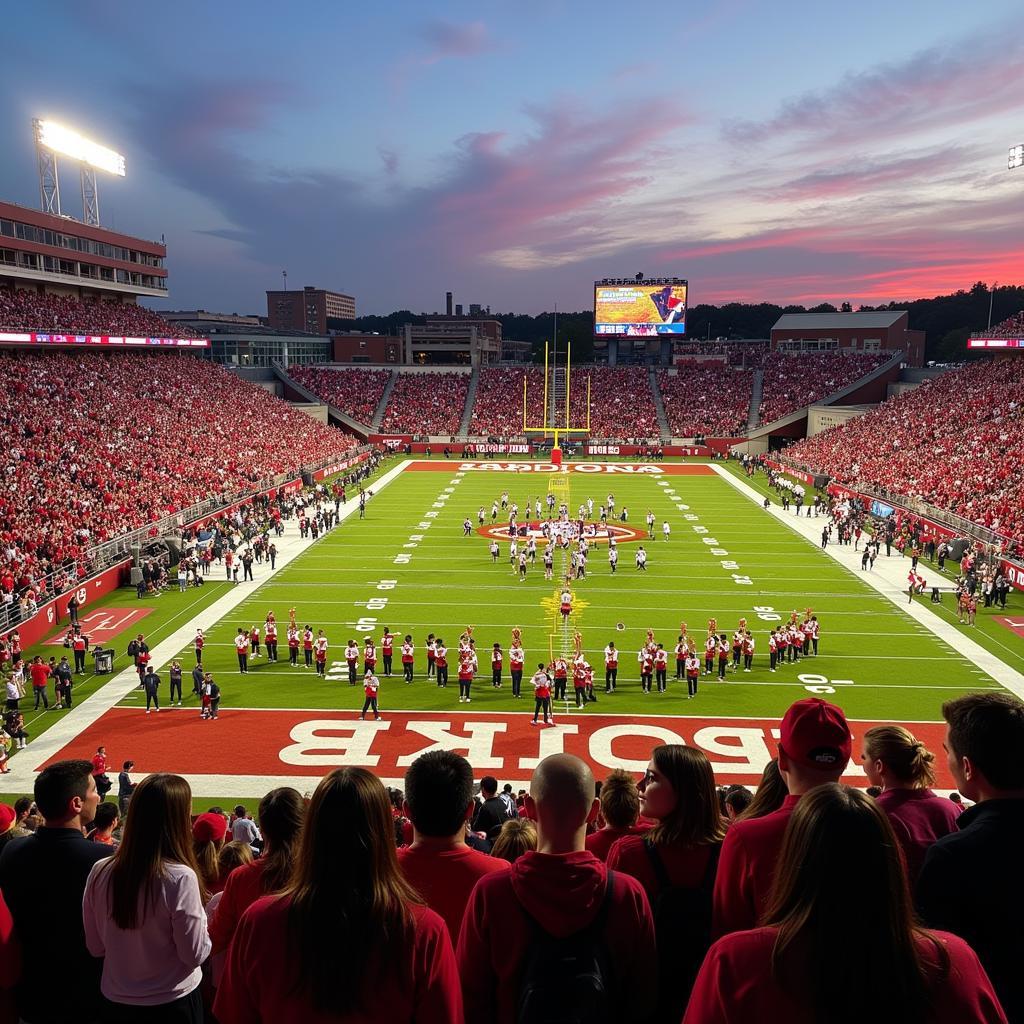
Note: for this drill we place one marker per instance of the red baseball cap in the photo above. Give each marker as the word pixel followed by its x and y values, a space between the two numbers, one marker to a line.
pixel 815 734
pixel 7 818
pixel 209 828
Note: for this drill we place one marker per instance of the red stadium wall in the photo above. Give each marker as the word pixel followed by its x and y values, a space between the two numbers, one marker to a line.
pixel 54 612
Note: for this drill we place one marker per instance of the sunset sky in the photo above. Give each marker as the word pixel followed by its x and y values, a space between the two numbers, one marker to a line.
pixel 514 152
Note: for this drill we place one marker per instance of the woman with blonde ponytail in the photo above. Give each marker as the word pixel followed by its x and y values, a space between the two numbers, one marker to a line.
pixel 895 760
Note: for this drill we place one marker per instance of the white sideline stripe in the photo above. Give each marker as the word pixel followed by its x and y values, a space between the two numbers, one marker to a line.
pixel 888 579
pixel 24 767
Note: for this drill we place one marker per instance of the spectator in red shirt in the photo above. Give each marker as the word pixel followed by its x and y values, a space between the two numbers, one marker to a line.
pixel 439 864
pixel 349 938
pixel 839 863
pixel 281 815
pixel 208 831
pixel 40 672
pixel 814 748
pixel 620 808
pixel 518 920
pixel 901 765
pixel 675 862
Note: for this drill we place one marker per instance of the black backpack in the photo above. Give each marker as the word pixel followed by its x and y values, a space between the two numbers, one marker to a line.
pixel 569 980
pixel 682 929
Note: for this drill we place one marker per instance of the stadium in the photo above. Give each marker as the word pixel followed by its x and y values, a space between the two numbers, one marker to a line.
pixel 250 555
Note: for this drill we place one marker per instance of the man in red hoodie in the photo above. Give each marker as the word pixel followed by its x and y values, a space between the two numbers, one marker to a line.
pixel 548 898
pixel 814 748
pixel 439 864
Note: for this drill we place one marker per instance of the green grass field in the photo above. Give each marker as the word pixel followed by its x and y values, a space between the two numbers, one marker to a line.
pixel 407 566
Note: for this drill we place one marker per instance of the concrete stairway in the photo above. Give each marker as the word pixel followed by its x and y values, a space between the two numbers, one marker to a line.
pixel 754 415
pixel 378 416
pixel 467 413
pixel 659 407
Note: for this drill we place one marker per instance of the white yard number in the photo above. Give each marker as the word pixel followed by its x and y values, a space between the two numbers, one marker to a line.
pixel 766 612
pixel 821 684
pixel 745 581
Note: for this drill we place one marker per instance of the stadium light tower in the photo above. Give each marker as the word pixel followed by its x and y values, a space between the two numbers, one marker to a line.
pixel 52 138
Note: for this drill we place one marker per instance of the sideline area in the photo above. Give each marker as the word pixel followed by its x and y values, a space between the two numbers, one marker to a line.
pixel 889 578
pixel 25 766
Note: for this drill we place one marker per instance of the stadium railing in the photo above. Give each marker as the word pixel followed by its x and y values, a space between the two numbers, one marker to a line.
pixel 916 505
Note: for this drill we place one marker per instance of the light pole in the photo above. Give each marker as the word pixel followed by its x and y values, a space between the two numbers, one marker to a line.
pixel 991 296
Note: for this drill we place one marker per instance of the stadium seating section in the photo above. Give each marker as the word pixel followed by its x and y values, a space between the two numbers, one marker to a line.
pixel 795 381
pixel 355 392
pixel 1011 327
pixel 426 403
pixel 99 444
pixel 709 400
pixel 22 310
pixel 955 441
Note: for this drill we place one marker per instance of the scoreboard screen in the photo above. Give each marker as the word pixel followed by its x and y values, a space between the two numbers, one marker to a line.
pixel 995 343
pixel 641 309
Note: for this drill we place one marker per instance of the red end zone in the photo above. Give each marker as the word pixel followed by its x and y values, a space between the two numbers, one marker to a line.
pixel 281 744
pixel 605 468
pixel 102 625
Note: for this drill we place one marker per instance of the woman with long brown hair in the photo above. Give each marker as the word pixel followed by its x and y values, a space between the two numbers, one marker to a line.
pixel 143 911
pixel 901 765
pixel 281 815
pixel 676 862
pixel 770 793
pixel 348 939
pixel 840 944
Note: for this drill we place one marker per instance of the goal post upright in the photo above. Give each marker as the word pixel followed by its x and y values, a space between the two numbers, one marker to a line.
pixel 552 424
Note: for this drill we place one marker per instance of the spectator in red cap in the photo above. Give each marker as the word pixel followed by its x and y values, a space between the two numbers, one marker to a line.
pixel 814 748
pixel 208 831
pixel 901 765
pixel 521 924
pixel 8 819
pixel 439 864
pixel 968 884
pixel 840 868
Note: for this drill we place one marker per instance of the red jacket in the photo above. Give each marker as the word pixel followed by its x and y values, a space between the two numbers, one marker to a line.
pixel 259 977
pixel 746 869
pixel 445 878
pixel 563 893
pixel 736 984
pixel 685 865
pixel 599 843
pixel 243 888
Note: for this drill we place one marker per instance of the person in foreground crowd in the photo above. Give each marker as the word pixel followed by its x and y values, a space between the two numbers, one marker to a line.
pixel 968 883
pixel 281 815
pixel 620 808
pixel 814 748
pixel 208 831
pixel 770 793
pixel 349 938
pixel 901 765
pixel 676 862
pixel 439 865
pixel 525 929
pixel 42 879
pixel 840 862
pixel 143 911
pixel 517 836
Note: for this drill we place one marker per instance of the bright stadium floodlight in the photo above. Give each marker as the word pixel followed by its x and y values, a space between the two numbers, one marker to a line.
pixel 1016 157
pixel 52 138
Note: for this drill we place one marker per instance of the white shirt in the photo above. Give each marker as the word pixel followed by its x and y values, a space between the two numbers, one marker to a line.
pixel 160 960
pixel 244 830
pixel 241 642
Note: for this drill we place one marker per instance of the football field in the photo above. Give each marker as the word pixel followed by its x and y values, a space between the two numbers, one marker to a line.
pixel 410 567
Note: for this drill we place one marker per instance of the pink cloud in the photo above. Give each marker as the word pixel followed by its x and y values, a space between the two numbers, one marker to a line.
pixel 962 82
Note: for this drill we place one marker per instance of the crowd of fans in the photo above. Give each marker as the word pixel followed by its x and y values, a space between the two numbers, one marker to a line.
pixel 426 403
pixel 96 445
pixel 23 310
pixel 355 392
pixel 749 355
pixel 707 400
pixel 794 381
pixel 498 406
pixel 659 901
pixel 1011 327
pixel 621 403
pixel 954 442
